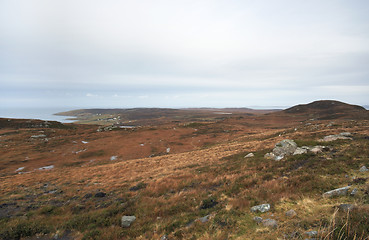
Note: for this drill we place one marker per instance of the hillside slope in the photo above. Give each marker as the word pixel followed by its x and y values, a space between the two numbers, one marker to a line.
pixel 329 109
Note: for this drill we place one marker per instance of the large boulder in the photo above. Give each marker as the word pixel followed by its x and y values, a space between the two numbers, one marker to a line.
pixel 285 148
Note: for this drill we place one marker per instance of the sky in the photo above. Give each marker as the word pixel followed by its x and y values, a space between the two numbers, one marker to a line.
pixel 182 53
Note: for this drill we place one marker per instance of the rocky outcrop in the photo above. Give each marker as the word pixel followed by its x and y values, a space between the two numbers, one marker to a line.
pixel 283 148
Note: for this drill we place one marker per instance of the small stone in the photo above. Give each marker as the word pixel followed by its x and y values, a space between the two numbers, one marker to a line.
pixel 127 221
pixel 354 191
pixel 113 158
pixel 271 223
pixel 258 219
pixel 204 219
pixel 312 233
pixel 261 208
pixel 363 169
pixel 100 194
pixel 249 155
pixel 164 237
pixel 291 213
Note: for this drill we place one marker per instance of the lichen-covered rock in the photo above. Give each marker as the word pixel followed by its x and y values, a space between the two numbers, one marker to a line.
pixel 261 208
pixel 341 136
pixel 337 192
pixel 285 148
pixel 127 221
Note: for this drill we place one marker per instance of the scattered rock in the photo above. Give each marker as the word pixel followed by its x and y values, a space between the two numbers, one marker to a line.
pixel 46 167
pixel 341 136
pixel 261 208
pixel 258 219
pixel 204 219
pixel 346 134
pixel 164 237
pixel 88 195
pixel 317 149
pixel 249 155
pixel 337 192
pixel 38 136
pixel 84 142
pixel 19 169
pixel 138 187
pixel 127 221
pixel 271 223
pixel 345 207
pixel 300 151
pixel 100 194
pixel 311 233
pixel 354 191
pixel 269 156
pixel 363 169
pixel 291 213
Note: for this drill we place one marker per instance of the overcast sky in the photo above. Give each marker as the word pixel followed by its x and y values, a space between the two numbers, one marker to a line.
pixel 182 53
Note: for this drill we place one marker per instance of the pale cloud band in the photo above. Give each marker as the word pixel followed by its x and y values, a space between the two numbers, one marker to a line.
pixel 183 53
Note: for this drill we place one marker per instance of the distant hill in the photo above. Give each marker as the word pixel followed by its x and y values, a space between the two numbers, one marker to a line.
pixel 329 109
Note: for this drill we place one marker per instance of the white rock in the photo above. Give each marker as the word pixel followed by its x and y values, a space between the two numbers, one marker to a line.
pixel 249 155
pixel 46 167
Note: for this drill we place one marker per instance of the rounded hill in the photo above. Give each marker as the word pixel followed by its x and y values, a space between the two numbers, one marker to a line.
pixel 329 109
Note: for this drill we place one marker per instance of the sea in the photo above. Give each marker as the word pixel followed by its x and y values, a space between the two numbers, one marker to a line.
pixel 36 113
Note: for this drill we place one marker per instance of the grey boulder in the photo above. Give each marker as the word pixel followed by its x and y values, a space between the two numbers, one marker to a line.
pixel 270 223
pixel 337 192
pixel 127 221
pixel 261 208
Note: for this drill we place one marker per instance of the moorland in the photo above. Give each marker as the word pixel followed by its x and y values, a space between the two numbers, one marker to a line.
pixel 188 174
